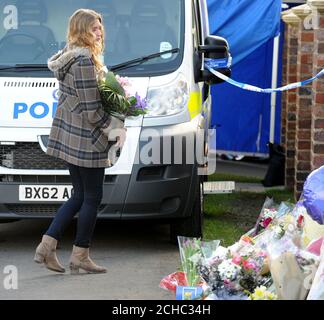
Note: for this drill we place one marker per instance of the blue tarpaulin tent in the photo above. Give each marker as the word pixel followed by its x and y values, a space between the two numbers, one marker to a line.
pixel 243 118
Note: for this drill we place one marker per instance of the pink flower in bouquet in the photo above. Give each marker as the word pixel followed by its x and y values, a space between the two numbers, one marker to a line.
pixel 125 83
pixel 249 264
pixel 227 282
pixel 262 254
pixel 264 223
pixel 237 259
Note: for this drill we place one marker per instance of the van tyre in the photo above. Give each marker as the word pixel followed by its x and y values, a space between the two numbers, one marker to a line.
pixel 191 226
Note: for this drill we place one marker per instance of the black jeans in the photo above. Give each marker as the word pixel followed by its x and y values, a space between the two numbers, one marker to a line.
pixel 87 195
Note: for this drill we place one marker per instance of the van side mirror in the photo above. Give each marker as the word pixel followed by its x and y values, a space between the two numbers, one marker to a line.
pixel 214 48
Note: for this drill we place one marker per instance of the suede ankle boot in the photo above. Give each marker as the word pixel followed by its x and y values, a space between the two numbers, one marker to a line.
pixel 80 260
pixel 46 253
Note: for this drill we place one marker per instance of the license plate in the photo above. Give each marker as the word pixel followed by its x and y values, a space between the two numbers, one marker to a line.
pixel 44 193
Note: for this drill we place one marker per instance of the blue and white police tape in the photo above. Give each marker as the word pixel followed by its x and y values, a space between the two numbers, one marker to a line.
pixel 210 64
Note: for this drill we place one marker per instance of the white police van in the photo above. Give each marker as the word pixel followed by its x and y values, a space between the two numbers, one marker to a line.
pixel 161 46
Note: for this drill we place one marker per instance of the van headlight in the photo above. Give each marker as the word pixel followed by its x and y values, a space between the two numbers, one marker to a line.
pixel 168 99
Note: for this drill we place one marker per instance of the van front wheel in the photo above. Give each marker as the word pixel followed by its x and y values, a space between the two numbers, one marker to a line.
pixel 192 225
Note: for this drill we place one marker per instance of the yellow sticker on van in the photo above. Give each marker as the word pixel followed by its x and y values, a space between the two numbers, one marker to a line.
pixel 195 103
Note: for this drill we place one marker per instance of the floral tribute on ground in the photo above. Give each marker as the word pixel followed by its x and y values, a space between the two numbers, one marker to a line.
pixel 278 259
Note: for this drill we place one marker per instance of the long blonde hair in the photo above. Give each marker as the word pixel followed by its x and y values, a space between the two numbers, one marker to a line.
pixel 79 35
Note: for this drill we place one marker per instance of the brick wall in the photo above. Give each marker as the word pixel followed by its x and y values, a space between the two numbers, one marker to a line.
pixel 303 106
pixel 317 124
pixel 303 117
pixel 289 116
pixel 292 108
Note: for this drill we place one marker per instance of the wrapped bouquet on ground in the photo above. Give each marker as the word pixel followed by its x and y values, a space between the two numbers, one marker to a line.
pixel 282 257
pixel 219 273
pixel 292 269
pixel 235 275
pixel 188 282
pixel 317 289
pixel 277 263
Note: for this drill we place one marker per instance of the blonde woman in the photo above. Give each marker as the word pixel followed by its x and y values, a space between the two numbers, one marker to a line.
pixel 79 137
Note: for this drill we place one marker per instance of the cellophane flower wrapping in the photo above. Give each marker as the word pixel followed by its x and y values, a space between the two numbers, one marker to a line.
pixel 317 289
pixel 292 267
pixel 173 280
pixel 266 216
pixel 116 97
pixel 193 252
pixel 190 257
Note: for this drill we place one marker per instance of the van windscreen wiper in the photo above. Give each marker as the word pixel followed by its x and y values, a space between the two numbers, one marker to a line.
pixel 24 67
pixel 140 60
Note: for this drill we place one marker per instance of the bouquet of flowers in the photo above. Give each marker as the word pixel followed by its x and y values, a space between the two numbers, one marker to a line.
pixel 193 253
pixel 271 214
pixel 116 98
pixel 220 272
pixel 261 293
pixel 234 276
pixel 317 287
pixel 190 254
pixel 268 213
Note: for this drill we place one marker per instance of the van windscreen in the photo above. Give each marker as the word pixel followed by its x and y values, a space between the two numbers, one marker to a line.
pixel 33 30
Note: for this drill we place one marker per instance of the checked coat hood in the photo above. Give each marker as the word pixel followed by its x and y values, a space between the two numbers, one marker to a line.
pixel 76 135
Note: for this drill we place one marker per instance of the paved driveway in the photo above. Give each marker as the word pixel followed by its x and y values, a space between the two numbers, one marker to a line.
pixel 137 255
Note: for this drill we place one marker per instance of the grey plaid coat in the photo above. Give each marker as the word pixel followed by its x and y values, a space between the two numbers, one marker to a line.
pixel 76 135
